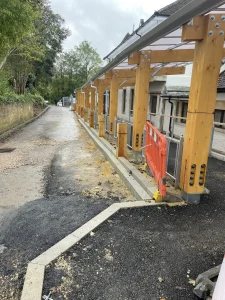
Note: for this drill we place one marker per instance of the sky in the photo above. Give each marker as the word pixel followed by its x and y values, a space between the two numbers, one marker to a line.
pixel 103 23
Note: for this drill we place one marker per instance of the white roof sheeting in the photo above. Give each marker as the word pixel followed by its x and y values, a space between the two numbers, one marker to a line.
pixel 170 41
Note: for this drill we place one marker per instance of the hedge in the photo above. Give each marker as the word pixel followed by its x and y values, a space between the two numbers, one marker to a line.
pixel 14 98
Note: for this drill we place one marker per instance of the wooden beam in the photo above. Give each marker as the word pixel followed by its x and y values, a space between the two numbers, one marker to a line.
pixel 141 101
pixel 167 56
pixel 168 71
pixel 162 72
pixel 121 73
pixel 102 82
pixel 134 58
pixel 194 31
pixel 201 105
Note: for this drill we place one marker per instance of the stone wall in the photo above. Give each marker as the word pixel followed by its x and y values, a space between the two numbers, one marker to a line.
pixel 14 114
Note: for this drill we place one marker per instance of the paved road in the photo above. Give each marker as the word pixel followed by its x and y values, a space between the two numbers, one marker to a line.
pixel 52 183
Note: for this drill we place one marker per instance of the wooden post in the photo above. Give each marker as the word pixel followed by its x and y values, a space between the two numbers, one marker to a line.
pixel 91 120
pixel 201 106
pixel 113 103
pixel 121 149
pixel 82 103
pixel 87 97
pixel 141 100
pixel 101 125
pixel 85 114
pixel 101 90
pixel 93 93
pixel 92 107
pixel 78 101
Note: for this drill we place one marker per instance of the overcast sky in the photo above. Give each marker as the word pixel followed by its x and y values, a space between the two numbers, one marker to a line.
pixel 104 23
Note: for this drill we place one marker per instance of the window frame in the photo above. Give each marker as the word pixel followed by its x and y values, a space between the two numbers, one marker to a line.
pixel 124 101
pixel 151 104
pixel 132 93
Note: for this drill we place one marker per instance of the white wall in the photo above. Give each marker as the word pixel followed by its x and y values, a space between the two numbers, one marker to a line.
pixel 155 87
pixel 180 80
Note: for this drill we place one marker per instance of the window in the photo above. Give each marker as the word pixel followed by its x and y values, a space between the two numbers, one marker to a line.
pixel 219 117
pixel 124 101
pixel 184 111
pixel 177 111
pixel 153 104
pixel 131 102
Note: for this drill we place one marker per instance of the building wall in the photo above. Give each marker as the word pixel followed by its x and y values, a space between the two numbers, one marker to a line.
pixel 155 88
pixel 179 125
pixel 12 115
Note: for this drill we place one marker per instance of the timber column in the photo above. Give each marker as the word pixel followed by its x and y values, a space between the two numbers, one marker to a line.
pixel 92 108
pixel 102 85
pixel 141 100
pixel 113 103
pixel 201 104
pixel 82 103
pixel 86 106
pixel 78 101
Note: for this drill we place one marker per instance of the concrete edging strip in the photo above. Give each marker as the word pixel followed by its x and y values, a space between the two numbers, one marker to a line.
pixel 134 186
pixel 33 283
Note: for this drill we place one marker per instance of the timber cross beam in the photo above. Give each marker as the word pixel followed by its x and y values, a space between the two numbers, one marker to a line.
pixel 167 56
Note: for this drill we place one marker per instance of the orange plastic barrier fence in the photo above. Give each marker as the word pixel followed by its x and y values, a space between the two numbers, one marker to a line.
pixel 155 155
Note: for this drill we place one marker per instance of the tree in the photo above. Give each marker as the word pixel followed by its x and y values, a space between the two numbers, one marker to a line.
pixel 74 68
pixel 30 55
pixel 53 33
pixel 89 59
pixel 17 22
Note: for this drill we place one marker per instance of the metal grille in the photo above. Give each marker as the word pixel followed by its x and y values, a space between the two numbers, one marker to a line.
pixel 129 131
pixel 174 157
pixel 96 119
pixel 107 123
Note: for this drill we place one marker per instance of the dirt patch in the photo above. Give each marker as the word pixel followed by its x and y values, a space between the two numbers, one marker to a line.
pixel 84 168
pixel 142 168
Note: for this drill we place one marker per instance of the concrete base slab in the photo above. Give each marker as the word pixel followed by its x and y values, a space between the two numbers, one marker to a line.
pixel 191 198
pixel 33 284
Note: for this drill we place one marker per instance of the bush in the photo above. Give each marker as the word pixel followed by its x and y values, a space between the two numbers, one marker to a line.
pixel 14 98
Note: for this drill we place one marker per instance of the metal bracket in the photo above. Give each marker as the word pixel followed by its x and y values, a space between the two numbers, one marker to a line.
pixel 204 284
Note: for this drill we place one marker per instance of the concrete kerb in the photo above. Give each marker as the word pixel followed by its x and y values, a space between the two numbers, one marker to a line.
pixel 33 284
pixel 140 187
pixel 9 132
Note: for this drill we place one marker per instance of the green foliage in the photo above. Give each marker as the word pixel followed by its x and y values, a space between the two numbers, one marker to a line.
pixel 14 98
pixel 31 58
pixel 17 21
pixel 32 39
pixel 74 68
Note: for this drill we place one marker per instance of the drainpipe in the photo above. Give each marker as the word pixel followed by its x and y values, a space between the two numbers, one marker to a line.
pixel 171 113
